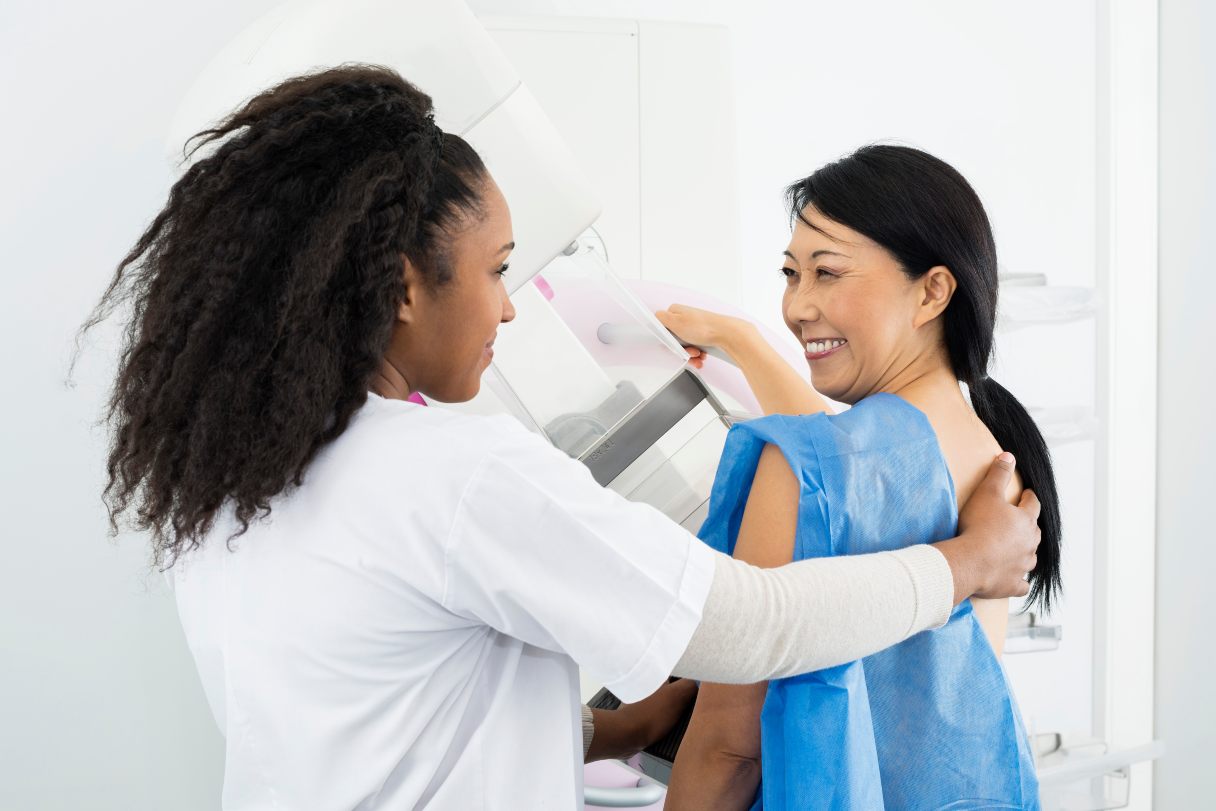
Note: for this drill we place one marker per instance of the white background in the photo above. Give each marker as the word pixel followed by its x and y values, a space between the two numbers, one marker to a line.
pixel 1186 543
pixel 99 703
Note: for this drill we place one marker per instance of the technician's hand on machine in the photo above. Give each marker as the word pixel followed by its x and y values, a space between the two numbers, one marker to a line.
pixel 997 541
pixel 627 730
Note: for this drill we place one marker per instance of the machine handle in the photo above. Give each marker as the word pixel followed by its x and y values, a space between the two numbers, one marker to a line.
pixel 647 792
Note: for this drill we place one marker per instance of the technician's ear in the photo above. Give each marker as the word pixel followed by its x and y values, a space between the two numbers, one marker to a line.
pixel 936 289
pixel 407 310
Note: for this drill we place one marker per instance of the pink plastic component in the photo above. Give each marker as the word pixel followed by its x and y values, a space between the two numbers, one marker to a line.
pixel 543 287
pixel 415 397
pixel 610 774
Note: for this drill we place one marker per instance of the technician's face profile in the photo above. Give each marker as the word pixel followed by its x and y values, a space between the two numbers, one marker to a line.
pixel 446 331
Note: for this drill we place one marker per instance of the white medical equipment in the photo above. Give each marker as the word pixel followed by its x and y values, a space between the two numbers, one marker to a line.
pixel 441 47
pixel 585 363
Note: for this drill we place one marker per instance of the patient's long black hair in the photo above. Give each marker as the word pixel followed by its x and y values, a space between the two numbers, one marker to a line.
pixel 924 213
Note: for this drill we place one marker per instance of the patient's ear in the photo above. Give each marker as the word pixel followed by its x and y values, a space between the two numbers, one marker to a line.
pixel 936 288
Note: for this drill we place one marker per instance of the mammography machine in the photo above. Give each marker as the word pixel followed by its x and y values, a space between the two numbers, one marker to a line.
pixel 585 363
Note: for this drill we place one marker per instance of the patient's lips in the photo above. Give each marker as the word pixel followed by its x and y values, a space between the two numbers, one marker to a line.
pixel 820 348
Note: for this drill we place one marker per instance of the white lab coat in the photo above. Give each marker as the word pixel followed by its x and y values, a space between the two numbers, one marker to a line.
pixel 404 630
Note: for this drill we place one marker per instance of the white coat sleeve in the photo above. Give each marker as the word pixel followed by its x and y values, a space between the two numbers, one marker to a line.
pixel 541 552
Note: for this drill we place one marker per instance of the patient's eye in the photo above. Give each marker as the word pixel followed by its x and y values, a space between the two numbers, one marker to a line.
pixel 790 274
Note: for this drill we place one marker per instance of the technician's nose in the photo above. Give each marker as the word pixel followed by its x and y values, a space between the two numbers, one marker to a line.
pixel 508 309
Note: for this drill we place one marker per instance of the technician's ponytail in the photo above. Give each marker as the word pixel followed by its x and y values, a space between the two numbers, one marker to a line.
pixel 926 215
pixel 1017 433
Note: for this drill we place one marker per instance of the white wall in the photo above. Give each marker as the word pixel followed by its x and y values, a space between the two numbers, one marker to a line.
pixel 100 707
pixel 1186 540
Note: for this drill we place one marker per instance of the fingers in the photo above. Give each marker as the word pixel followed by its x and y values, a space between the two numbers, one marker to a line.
pixel 696 358
pixel 999 473
pixel 672 311
pixel 676 322
pixel 1030 503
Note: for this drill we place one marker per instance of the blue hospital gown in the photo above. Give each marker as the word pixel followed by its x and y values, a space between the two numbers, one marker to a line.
pixel 930 723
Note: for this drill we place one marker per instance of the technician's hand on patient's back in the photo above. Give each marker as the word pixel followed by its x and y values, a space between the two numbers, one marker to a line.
pixel 997 541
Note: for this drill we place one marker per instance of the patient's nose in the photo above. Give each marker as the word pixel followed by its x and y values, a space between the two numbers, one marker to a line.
pixel 803 305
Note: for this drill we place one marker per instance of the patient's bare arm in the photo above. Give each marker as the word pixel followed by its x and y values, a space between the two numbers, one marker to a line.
pixel 718 765
pixel 779 388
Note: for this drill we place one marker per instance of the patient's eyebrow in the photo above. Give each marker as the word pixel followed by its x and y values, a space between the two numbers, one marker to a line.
pixel 817 254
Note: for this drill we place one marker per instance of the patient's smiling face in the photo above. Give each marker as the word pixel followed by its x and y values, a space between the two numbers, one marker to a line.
pixel 861 320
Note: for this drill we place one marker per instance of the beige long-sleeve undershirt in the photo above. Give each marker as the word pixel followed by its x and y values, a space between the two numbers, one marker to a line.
pixel 760 624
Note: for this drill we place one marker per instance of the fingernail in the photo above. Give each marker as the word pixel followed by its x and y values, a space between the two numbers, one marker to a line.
pixel 1007 458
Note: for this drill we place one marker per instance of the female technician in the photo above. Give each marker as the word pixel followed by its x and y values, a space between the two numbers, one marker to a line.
pixel 388 603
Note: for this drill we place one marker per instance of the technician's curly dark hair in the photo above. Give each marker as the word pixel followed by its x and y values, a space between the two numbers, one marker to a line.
pixel 264 294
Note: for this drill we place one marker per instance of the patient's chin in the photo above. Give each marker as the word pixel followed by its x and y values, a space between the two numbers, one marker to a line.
pixel 840 394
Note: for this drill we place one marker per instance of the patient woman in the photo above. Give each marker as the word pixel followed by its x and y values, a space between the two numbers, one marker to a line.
pixel 891 286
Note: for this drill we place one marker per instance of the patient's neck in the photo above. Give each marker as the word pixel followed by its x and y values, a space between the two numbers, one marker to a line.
pixel 930 385
pixel 966 443
pixel 936 388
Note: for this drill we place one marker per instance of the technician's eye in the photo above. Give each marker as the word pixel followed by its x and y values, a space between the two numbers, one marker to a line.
pixel 502 271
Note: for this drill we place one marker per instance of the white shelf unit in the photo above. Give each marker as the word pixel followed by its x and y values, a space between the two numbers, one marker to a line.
pixel 1082 355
